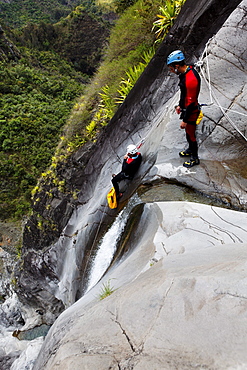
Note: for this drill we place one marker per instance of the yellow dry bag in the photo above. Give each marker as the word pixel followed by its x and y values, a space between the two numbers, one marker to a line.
pixel 112 198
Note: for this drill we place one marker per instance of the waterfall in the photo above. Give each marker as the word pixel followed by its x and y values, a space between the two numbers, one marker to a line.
pixel 108 244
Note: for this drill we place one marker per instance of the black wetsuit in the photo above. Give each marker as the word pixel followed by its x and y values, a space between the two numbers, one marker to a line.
pixel 129 168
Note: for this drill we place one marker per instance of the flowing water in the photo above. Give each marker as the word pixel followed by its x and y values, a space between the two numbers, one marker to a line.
pixel 108 244
pixel 162 191
pixel 165 191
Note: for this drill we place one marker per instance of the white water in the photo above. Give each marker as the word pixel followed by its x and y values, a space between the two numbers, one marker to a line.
pixel 108 244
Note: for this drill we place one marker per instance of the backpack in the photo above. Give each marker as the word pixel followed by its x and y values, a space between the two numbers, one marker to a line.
pixel 112 198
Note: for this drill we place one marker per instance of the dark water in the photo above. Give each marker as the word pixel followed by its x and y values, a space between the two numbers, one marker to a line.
pixel 166 191
pixel 37 331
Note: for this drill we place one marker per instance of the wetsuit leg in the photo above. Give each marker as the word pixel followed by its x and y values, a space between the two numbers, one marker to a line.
pixel 191 138
pixel 116 179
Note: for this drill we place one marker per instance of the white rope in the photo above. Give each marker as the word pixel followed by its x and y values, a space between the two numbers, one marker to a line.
pixel 212 95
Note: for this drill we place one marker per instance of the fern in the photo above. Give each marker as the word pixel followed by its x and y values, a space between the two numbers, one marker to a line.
pixel 132 76
pixel 165 20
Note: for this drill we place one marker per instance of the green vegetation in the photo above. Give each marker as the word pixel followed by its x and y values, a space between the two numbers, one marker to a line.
pixel 122 5
pixel 106 290
pixel 44 116
pixel 78 38
pixel 131 46
pixel 34 106
pixel 167 16
pixel 18 13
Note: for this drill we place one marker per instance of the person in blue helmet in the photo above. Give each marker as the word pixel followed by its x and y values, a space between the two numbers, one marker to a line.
pixel 130 166
pixel 188 107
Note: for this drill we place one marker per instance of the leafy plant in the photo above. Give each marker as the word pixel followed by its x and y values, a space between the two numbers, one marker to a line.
pixel 165 20
pixel 106 290
pixel 107 102
pixel 41 93
pixel 132 76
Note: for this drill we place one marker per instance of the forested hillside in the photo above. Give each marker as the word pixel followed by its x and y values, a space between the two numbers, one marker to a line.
pixel 52 100
pixel 17 13
pixel 42 73
pixel 35 104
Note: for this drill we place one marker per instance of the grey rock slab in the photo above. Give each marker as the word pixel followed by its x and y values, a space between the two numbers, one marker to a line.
pixel 67 238
pixel 183 306
pixel 222 133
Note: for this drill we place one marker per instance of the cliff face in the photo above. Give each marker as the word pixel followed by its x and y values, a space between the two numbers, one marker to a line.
pixel 58 259
pixel 179 299
pixel 8 51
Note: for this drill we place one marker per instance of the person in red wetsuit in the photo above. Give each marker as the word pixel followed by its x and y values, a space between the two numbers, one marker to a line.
pixel 188 107
pixel 131 164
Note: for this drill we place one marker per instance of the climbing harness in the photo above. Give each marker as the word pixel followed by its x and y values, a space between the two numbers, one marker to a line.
pixel 213 98
pixel 213 101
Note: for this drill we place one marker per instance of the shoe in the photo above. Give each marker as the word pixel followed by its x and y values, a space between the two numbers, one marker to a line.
pixel 185 153
pixel 192 162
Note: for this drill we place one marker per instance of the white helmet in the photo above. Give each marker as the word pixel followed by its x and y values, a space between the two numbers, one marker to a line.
pixel 131 149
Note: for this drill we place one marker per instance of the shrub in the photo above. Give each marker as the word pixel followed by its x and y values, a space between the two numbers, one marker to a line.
pixel 167 16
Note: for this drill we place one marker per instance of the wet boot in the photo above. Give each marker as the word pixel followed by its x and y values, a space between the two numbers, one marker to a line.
pixel 185 153
pixel 192 162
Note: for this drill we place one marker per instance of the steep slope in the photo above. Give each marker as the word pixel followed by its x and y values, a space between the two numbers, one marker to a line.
pixel 146 107
pixel 40 82
pixel 60 268
pixel 16 13
pixel 8 51
pixel 179 299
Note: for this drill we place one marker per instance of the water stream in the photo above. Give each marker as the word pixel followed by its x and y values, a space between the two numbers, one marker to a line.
pixel 161 191
pixel 108 244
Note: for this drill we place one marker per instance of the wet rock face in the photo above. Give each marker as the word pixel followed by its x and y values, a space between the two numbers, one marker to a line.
pixel 222 133
pixel 7 361
pixel 179 299
pixel 147 112
pixel 133 120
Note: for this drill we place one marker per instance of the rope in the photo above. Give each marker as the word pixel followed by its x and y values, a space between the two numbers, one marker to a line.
pixel 213 97
pixel 138 145
pixel 213 101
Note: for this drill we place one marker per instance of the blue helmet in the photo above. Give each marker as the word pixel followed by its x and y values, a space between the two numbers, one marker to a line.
pixel 175 56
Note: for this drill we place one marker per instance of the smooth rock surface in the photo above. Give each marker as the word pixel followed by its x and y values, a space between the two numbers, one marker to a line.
pixel 189 309
pixel 59 259
pixel 222 135
pixel 179 303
